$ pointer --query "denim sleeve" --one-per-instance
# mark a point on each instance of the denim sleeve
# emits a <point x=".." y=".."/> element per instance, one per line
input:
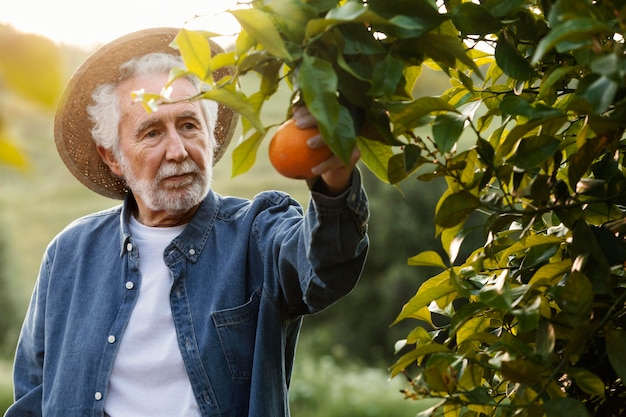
<point x="29" y="356"/>
<point x="316" y="258"/>
<point x="338" y="243"/>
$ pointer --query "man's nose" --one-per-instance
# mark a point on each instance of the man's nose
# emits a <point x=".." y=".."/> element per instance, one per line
<point x="175" y="150"/>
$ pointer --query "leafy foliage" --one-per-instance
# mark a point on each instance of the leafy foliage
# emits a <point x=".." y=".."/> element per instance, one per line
<point x="530" y="141"/>
<point x="30" y="66"/>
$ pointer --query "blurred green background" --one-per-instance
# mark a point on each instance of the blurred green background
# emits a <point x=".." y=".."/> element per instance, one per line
<point x="344" y="352"/>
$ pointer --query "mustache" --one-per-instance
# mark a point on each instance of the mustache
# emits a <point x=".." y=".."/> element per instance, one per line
<point x="171" y="169"/>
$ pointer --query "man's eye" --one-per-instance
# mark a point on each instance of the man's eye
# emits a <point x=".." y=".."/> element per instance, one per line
<point x="189" y="126"/>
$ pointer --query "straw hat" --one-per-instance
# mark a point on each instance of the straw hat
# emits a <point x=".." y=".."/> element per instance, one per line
<point x="72" y="126"/>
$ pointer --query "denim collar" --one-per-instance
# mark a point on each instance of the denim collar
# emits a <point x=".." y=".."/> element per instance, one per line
<point x="192" y="240"/>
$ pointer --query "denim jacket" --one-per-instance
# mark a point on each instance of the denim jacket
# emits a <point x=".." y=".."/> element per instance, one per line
<point x="244" y="273"/>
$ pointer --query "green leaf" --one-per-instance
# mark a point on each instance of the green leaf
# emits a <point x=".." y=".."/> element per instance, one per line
<point x="599" y="94"/>
<point x="464" y="314"/>
<point x="533" y="151"/>
<point x="471" y="327"/>
<point x="291" y="18"/>
<point x="270" y="77"/>
<point x="406" y="116"/>
<point x="554" y="76"/>
<point x="511" y="61"/>
<point x="615" y="348"/>
<point x="260" y="26"/>
<point x="446" y="50"/>
<point x="574" y="30"/>
<point x="474" y="19"/>
<point x="545" y="340"/>
<point x="500" y="8"/>
<point x="522" y="370"/>
<point x="318" y="82"/>
<point x="587" y="381"/>
<point x="396" y="168"/>
<point x="439" y="372"/>
<point x="528" y="316"/>
<point x="570" y="407"/>
<point x="528" y="242"/>
<point x="418" y="334"/>
<point x="343" y="139"/>
<point x="436" y="288"/>
<point x="375" y="156"/>
<point x="516" y="105"/>
<point x="576" y="298"/>
<point x="582" y="159"/>
<point x="387" y="74"/>
<point x="447" y="130"/>
<point x="498" y="298"/>
<point x="551" y="273"/>
<point x="456" y="208"/>
<point x="349" y="12"/>
<point x="244" y="155"/>
<point x="359" y="40"/>
<point x="416" y="355"/>
<point x="236" y="101"/>
<point x="427" y="258"/>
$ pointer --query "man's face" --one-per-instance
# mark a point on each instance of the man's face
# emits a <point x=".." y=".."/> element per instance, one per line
<point x="164" y="156"/>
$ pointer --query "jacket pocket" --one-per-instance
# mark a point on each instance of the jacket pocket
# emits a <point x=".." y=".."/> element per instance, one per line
<point x="236" y="329"/>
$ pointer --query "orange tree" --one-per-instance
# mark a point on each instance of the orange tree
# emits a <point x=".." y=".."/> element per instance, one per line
<point x="530" y="140"/>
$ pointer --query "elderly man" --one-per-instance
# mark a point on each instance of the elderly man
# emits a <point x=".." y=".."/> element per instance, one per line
<point x="180" y="301"/>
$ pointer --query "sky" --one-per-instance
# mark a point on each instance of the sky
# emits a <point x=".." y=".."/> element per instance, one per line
<point x="88" y="23"/>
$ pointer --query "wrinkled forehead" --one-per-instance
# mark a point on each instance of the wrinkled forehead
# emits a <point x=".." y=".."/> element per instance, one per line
<point x="149" y="88"/>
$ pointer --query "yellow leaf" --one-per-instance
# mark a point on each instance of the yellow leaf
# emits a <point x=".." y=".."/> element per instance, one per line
<point x="260" y="26"/>
<point x="438" y="289"/>
<point x="195" y="49"/>
<point x="10" y="154"/>
<point x="31" y="65"/>
<point x="427" y="258"/>
<point x="471" y="327"/>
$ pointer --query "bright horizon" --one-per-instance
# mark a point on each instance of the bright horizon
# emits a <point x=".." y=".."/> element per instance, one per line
<point x="90" y="24"/>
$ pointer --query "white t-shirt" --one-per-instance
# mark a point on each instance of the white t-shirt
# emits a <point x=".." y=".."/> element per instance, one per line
<point x="148" y="376"/>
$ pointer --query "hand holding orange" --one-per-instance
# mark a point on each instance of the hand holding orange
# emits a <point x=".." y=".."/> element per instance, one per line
<point x="289" y="153"/>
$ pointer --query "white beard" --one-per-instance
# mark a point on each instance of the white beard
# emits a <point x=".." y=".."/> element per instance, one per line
<point x="181" y="198"/>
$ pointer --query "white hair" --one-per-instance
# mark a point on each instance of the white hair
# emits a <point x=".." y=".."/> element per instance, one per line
<point x="105" y="112"/>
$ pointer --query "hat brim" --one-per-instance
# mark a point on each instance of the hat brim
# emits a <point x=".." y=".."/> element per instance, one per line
<point x="72" y="126"/>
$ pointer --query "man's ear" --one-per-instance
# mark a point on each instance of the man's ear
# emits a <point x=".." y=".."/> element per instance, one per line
<point x="109" y="159"/>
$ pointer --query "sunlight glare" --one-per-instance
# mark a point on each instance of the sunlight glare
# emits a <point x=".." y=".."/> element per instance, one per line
<point x="90" y="24"/>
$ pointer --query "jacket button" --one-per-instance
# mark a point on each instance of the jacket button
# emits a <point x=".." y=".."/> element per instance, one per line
<point x="130" y="285"/>
<point x="98" y="396"/>
<point x="192" y="251"/>
<point x="129" y="246"/>
<point x="111" y="339"/>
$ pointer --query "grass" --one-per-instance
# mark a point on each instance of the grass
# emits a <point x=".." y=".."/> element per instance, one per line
<point x="322" y="387"/>
<point x="6" y="389"/>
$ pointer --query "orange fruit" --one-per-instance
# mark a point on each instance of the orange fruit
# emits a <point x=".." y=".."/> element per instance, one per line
<point x="289" y="153"/>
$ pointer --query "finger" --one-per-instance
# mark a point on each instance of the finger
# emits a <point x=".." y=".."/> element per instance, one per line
<point x="303" y="118"/>
<point x="327" y="165"/>
<point x="335" y="163"/>
<point x="316" y="141"/>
